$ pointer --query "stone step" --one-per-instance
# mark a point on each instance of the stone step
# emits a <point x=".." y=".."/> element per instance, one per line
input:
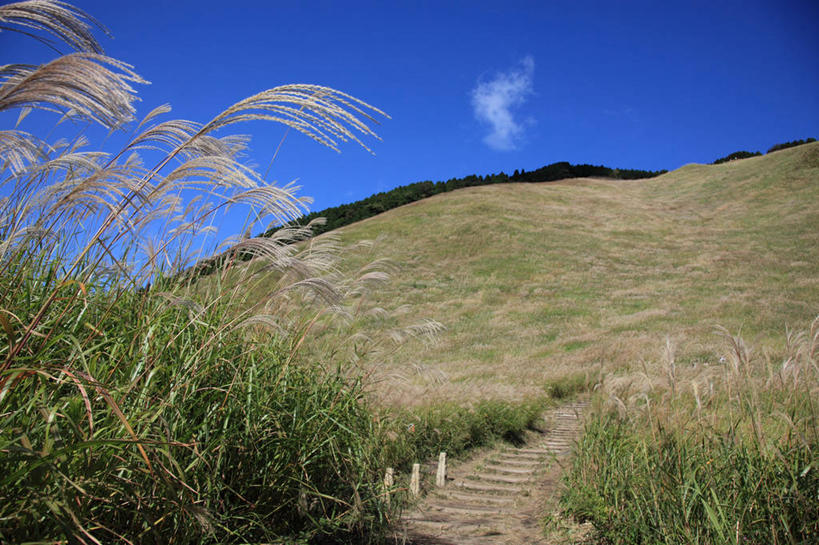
<point x="488" y="487"/>
<point x="557" y="449"/>
<point x="487" y="504"/>
<point x="480" y="498"/>
<point x="536" y="452"/>
<point x="466" y="509"/>
<point x="439" y="518"/>
<point x="500" y="478"/>
<point x="508" y="469"/>
<point x="512" y="460"/>
<point x="526" y="455"/>
<point x="461" y="531"/>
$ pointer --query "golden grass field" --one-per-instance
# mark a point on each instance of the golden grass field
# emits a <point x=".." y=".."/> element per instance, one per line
<point x="538" y="281"/>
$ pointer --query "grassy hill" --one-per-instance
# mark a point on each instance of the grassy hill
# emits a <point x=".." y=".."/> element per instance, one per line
<point x="537" y="281"/>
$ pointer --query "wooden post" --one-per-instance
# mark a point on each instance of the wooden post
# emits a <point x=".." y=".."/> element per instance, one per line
<point x="415" y="480"/>
<point x="389" y="482"/>
<point x="440" y="476"/>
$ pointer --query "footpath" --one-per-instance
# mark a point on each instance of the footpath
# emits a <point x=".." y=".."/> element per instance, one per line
<point x="499" y="496"/>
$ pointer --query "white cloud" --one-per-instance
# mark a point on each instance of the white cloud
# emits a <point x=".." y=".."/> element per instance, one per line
<point x="494" y="101"/>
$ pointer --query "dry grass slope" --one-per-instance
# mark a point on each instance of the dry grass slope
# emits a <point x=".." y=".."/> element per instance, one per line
<point x="537" y="281"/>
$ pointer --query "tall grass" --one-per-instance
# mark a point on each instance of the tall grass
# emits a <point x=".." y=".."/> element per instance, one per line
<point x="419" y="434"/>
<point x="152" y="430"/>
<point x="725" y="453"/>
<point x="137" y="406"/>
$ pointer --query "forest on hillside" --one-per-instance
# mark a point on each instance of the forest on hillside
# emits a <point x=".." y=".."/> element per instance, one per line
<point x="776" y="147"/>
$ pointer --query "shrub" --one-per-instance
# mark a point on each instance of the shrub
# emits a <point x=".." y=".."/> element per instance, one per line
<point x="570" y="385"/>
<point x="791" y="144"/>
<point x="735" y="156"/>
<point x="420" y="434"/>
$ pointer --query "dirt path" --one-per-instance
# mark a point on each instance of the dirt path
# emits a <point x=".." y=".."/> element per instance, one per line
<point x="499" y="496"/>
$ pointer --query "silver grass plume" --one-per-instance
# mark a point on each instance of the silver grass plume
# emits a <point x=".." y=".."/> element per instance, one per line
<point x="18" y="150"/>
<point x="326" y="115"/>
<point x="62" y="20"/>
<point x="80" y="85"/>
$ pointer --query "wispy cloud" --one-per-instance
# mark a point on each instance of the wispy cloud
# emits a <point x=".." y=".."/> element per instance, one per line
<point x="494" y="101"/>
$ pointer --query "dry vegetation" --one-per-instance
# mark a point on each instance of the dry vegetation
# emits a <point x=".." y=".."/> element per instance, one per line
<point x="719" y="453"/>
<point x="537" y="281"/>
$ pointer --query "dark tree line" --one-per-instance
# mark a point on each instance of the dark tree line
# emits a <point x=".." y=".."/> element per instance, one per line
<point x="735" y="156"/>
<point x="745" y="154"/>
<point x="794" y="143"/>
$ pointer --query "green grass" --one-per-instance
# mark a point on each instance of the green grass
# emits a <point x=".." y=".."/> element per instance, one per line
<point x="570" y="385"/>
<point x="162" y="427"/>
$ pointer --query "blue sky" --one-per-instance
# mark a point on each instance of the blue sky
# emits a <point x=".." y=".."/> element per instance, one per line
<point x="480" y="87"/>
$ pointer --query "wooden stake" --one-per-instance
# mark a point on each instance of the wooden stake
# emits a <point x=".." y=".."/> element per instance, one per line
<point x="415" y="480"/>
<point x="440" y="476"/>
<point x="389" y="482"/>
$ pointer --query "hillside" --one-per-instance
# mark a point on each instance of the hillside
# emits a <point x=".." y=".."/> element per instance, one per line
<point x="536" y="281"/>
